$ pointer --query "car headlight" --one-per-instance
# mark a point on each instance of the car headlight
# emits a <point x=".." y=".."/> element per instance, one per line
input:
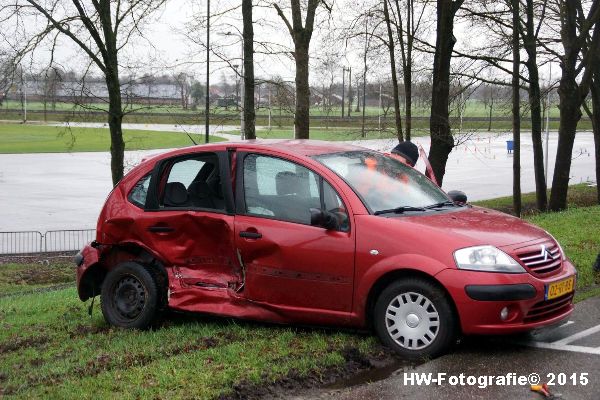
<point x="486" y="259"/>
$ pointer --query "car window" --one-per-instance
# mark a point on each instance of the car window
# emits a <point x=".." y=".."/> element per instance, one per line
<point x="185" y="171"/>
<point x="138" y="194"/>
<point x="280" y="189"/>
<point x="334" y="204"/>
<point x="193" y="183"/>
<point x="383" y="183"/>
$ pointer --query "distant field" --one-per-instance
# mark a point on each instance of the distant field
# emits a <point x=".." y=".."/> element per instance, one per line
<point x="474" y="108"/>
<point x="11" y="110"/>
<point x="19" y="138"/>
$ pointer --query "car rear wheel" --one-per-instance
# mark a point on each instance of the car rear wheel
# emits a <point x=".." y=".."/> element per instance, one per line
<point x="415" y="318"/>
<point x="130" y="296"/>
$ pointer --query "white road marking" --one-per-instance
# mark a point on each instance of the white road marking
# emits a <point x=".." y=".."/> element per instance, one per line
<point x="563" y="344"/>
<point x="577" y="336"/>
<point x="564" y="347"/>
<point x="566" y="324"/>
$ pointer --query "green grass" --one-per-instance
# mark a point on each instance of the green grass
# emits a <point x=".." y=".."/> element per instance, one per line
<point x="474" y="108"/>
<point x="580" y="195"/>
<point x="16" y="278"/>
<point x="578" y="232"/>
<point x="19" y="138"/>
<point x="51" y="348"/>
<point x="219" y="115"/>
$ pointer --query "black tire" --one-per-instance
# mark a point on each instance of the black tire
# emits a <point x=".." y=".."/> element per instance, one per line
<point x="411" y="320"/>
<point x="131" y="296"/>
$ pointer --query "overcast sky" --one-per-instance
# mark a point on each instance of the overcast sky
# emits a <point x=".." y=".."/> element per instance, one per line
<point x="172" y="43"/>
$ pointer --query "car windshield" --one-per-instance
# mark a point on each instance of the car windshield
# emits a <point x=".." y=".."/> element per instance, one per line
<point x="385" y="184"/>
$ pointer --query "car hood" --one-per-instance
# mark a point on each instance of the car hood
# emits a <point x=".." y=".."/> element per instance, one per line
<point x="475" y="226"/>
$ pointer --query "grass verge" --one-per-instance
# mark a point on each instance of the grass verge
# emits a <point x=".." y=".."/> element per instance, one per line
<point x="19" y="138"/>
<point x="580" y="195"/>
<point x="51" y="348"/>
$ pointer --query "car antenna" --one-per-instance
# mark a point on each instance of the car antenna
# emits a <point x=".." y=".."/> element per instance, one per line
<point x="193" y="141"/>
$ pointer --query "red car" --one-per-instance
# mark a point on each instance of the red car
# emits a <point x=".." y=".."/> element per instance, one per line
<point x="318" y="233"/>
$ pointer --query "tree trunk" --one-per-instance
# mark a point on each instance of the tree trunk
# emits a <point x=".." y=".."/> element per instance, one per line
<point x="535" y="104"/>
<point x="115" y="119"/>
<point x="516" y="109"/>
<point x="570" y="114"/>
<point x="392" y="52"/>
<point x="350" y="93"/>
<point x="249" y="84"/>
<point x="573" y="89"/>
<point x="301" y="121"/>
<point x="408" y="101"/>
<point x="491" y="111"/>
<point x="442" y="141"/>
<point x="595" y="118"/>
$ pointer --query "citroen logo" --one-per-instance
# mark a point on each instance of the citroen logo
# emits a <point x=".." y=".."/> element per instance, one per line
<point x="545" y="253"/>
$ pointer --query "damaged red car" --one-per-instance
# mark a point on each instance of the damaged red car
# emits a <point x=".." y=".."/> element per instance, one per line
<point x="320" y="233"/>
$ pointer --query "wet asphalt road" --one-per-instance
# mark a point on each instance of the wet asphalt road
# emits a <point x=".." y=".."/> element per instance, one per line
<point x="42" y="192"/>
<point x="483" y="356"/>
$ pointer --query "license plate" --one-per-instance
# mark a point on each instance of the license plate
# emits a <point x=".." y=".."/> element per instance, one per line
<point x="560" y="288"/>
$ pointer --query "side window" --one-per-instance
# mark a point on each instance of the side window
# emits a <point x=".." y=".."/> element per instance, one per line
<point x="280" y="189"/>
<point x="334" y="205"/>
<point x="138" y="194"/>
<point x="193" y="183"/>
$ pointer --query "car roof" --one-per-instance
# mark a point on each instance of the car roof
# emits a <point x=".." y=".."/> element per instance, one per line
<point x="297" y="147"/>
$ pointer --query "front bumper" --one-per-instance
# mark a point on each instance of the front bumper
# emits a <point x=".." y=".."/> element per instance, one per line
<point x="479" y="310"/>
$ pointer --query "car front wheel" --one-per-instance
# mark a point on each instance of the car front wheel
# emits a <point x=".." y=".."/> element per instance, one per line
<point x="414" y="317"/>
<point x="130" y="296"/>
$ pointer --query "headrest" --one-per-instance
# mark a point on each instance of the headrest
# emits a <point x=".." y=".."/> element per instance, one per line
<point x="287" y="182"/>
<point x="175" y="194"/>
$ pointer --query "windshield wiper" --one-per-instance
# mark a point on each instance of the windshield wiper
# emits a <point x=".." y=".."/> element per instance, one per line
<point x="446" y="203"/>
<point x="399" y="210"/>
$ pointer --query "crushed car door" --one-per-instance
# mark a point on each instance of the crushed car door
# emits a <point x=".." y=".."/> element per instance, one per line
<point x="287" y="261"/>
<point x="189" y="220"/>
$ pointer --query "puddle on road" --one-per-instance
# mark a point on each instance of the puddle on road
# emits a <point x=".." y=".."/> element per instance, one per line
<point x="374" y="375"/>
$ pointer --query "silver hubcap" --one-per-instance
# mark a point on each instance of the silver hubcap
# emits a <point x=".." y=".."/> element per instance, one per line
<point x="412" y="321"/>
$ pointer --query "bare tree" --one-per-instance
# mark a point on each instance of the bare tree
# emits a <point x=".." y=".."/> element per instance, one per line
<point x="184" y="85"/>
<point x="497" y="19"/>
<point x="301" y="34"/>
<point x="52" y="81"/>
<point x="442" y="141"/>
<point x="594" y="115"/>
<point x="516" y="107"/>
<point x="392" y="52"/>
<point x="249" y="84"/>
<point x="408" y="23"/>
<point x="101" y="29"/>
<point x="580" y="32"/>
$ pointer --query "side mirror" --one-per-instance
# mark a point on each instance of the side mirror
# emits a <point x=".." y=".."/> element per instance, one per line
<point x="323" y="219"/>
<point x="457" y="196"/>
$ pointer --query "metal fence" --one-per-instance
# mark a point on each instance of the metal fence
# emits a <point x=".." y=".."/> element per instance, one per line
<point x="28" y="242"/>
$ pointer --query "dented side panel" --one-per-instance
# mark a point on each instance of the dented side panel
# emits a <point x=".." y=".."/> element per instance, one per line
<point x="199" y="249"/>
<point x="297" y="265"/>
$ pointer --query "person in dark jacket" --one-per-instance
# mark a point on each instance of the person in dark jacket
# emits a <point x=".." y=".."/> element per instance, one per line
<point x="408" y="152"/>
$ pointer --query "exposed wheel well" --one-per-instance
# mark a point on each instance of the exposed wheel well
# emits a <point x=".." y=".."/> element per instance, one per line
<point x="393" y="276"/>
<point x="91" y="283"/>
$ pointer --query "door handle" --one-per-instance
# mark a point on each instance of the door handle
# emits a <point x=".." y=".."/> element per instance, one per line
<point x="250" y="235"/>
<point x="161" y="229"/>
